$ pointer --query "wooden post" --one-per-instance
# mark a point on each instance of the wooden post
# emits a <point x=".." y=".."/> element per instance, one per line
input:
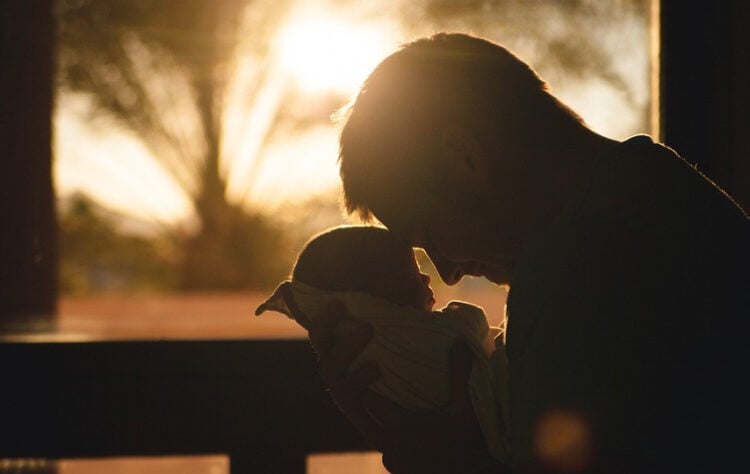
<point x="28" y="256"/>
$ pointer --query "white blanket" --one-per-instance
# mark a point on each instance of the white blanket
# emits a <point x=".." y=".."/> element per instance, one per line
<point x="411" y="348"/>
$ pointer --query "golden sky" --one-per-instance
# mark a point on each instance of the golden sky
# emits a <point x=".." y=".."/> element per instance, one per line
<point x="321" y="47"/>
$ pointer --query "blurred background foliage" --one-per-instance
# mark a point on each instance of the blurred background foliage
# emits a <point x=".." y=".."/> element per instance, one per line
<point x="160" y="70"/>
<point x="98" y="253"/>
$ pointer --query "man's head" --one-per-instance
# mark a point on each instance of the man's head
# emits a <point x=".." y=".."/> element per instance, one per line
<point x="367" y="259"/>
<point x="448" y="122"/>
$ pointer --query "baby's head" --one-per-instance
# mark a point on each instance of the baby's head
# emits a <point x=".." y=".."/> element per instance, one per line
<point x="366" y="259"/>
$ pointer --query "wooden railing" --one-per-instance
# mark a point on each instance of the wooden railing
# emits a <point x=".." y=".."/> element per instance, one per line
<point x="260" y="402"/>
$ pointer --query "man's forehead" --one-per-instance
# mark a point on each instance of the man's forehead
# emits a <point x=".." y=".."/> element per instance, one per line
<point x="410" y="231"/>
<point x="404" y="214"/>
<point x="399" y="219"/>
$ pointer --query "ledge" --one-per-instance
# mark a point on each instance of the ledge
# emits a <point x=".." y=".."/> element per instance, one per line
<point x="260" y="401"/>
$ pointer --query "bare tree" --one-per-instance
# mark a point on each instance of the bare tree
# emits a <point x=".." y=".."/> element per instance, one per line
<point x="161" y="69"/>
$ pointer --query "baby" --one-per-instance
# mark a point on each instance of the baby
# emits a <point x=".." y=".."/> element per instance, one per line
<point x="378" y="279"/>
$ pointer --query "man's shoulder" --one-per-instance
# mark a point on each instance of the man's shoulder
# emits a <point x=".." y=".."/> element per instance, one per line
<point x="642" y="186"/>
<point x="658" y="168"/>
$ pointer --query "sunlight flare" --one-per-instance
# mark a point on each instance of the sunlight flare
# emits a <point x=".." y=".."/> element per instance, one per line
<point x="325" y="53"/>
<point x="317" y="53"/>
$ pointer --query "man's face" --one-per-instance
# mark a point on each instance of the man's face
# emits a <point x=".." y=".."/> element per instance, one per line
<point x="459" y="232"/>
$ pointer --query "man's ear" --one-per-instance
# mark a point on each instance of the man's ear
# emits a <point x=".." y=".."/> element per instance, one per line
<point x="463" y="156"/>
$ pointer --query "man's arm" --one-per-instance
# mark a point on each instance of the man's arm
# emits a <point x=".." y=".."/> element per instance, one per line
<point x="449" y="441"/>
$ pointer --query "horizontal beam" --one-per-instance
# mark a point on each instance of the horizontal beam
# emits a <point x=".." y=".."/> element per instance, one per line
<point x="261" y="402"/>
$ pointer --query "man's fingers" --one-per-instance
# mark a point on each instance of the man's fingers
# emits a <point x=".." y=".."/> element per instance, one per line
<point x="341" y="355"/>
<point x="333" y="312"/>
<point x="321" y="330"/>
<point x="321" y="339"/>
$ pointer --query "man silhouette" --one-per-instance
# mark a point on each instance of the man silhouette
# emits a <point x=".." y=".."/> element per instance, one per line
<point x="627" y="270"/>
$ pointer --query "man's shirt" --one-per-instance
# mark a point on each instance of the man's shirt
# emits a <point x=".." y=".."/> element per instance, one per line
<point x="629" y="315"/>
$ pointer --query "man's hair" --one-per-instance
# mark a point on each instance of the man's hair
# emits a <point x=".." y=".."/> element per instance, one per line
<point x="394" y="124"/>
<point x="351" y="258"/>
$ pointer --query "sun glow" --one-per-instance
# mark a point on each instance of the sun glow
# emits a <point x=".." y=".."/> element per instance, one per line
<point x="327" y="53"/>
<point x="317" y="52"/>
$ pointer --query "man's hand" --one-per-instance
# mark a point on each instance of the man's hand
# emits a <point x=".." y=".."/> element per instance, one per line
<point x="335" y="356"/>
<point x="449" y="441"/>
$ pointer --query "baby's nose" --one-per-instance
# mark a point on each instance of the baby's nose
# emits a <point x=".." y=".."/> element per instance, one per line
<point x="425" y="278"/>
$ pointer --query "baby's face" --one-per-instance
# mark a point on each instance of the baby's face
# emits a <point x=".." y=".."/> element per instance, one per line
<point x="408" y="286"/>
<point x="424" y="296"/>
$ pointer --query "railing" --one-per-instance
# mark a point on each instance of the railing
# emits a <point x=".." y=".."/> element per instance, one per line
<point x="260" y="402"/>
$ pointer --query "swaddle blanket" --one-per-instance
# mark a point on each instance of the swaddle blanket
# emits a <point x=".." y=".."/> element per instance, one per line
<point x="411" y="348"/>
